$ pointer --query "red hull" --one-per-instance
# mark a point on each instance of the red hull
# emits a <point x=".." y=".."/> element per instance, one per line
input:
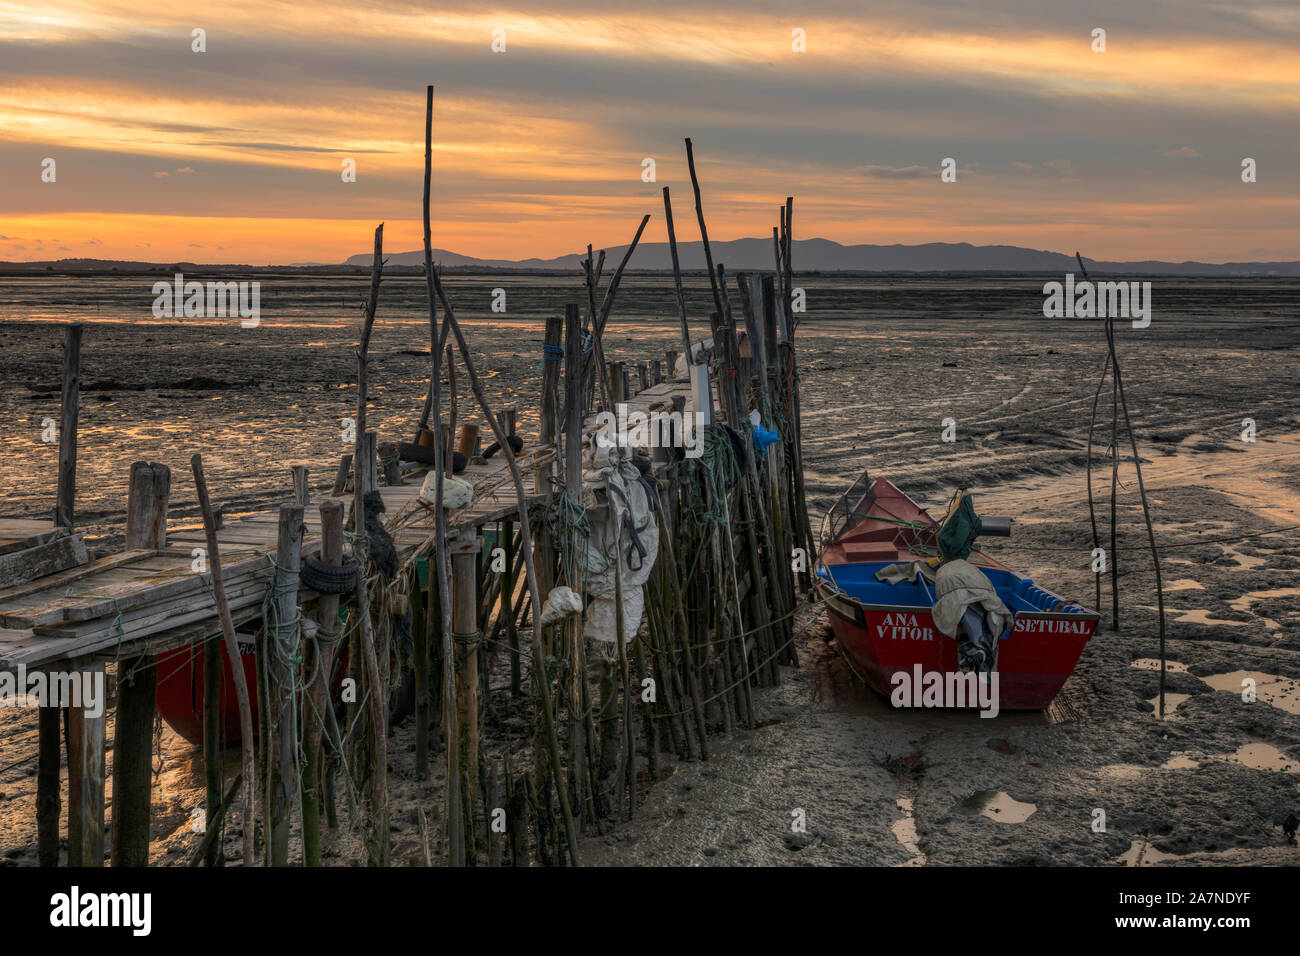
<point x="883" y="639"/>
<point x="1032" y="666"/>
<point x="180" y="691"/>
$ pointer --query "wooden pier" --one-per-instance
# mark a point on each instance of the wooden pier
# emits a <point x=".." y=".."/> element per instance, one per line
<point x="697" y="558"/>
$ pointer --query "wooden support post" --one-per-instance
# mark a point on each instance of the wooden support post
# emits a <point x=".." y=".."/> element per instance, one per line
<point x="617" y="385"/>
<point x="137" y="682"/>
<point x="671" y="356"/>
<point x="464" y="586"/>
<point x="656" y="371"/>
<point x="146" y="528"/>
<point x="468" y="436"/>
<point x="643" y="376"/>
<point x="71" y="405"/>
<point x="283" y="643"/>
<point x="146" y="506"/>
<point x="300" y="492"/>
<point x="511" y="414"/>
<point x="372" y="460"/>
<point x="319" y="660"/>
<point x="345" y="467"/>
<point x="86" y="776"/>
<point x="48" y="796"/>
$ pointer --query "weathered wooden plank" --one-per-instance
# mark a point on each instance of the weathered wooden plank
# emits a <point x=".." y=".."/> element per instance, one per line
<point x="149" y="616"/>
<point x="63" y="578"/>
<point x="20" y="567"/>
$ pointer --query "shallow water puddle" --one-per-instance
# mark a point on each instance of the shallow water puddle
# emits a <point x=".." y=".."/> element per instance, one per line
<point x="1180" y="761"/>
<point x="998" y="805"/>
<point x="1282" y="692"/>
<point x="1244" y="603"/>
<point x="1195" y="616"/>
<point x="1264" y="757"/>
<point x="905" y="830"/>
<point x="1184" y="584"/>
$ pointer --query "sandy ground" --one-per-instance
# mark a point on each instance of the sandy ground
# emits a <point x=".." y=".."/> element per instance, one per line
<point x="1214" y="782"/>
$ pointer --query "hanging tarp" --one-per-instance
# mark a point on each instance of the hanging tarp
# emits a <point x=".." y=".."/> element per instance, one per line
<point x="625" y="532"/>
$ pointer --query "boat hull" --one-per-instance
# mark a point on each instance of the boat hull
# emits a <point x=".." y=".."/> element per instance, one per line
<point x="1035" y="659"/>
<point x="886" y="631"/>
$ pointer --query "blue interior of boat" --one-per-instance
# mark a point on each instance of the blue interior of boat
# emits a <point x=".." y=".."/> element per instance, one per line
<point x="858" y="580"/>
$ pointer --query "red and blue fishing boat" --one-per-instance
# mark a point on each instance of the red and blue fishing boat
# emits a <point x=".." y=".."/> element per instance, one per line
<point x="885" y="629"/>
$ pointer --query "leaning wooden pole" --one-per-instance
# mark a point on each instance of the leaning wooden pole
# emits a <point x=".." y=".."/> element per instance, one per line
<point x="526" y="544"/>
<point x="704" y="233"/>
<point x="232" y="654"/>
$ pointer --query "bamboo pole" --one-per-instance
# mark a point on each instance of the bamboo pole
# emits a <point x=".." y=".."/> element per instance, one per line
<point x="232" y="654"/>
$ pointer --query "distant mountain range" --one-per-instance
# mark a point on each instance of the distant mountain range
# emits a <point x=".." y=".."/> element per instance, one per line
<point x="824" y="255"/>
<point x="810" y="255"/>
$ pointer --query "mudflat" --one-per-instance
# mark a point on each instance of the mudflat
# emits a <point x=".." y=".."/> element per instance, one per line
<point x="882" y="364"/>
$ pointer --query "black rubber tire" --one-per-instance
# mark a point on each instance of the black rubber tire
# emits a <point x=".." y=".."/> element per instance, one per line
<point x="329" y="579"/>
<point x="419" y="453"/>
<point x="516" y="446"/>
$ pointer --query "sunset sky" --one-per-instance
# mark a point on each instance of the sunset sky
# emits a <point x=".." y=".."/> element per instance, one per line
<point x="234" y="154"/>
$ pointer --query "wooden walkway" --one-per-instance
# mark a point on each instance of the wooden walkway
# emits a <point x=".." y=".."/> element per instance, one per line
<point x="138" y="602"/>
<point x="150" y="601"/>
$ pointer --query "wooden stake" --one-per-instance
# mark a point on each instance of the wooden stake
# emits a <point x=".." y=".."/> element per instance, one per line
<point x="71" y="405"/>
<point x="284" y="642"/>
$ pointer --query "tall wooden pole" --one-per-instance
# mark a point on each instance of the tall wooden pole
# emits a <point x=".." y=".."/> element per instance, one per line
<point x="442" y="560"/>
